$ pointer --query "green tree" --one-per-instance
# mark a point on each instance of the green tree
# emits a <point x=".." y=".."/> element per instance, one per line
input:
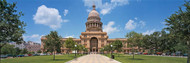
<point x="39" y="51"/>
<point x="178" y="25"/>
<point x="155" y="43"/>
<point x="8" y="49"/>
<point x="52" y="43"/>
<point x="17" y="51"/>
<point x="24" y="51"/>
<point x="69" y="43"/>
<point x="117" y="45"/>
<point x="134" y="40"/>
<point x="11" y="28"/>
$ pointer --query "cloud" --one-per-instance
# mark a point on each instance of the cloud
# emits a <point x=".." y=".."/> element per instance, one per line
<point x="70" y="36"/>
<point x="65" y="12"/>
<point x="135" y="18"/>
<point x="48" y="16"/>
<point x="35" y="38"/>
<point x="106" y="7"/>
<point x="142" y="23"/>
<point x="148" y="32"/>
<point x="130" y="25"/>
<point x="65" y="20"/>
<point x="109" y="27"/>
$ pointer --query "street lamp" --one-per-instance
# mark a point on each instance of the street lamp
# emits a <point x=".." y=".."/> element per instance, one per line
<point x="103" y="50"/>
<point x="75" y="50"/>
<point x="83" y="50"/>
<point x="111" y="50"/>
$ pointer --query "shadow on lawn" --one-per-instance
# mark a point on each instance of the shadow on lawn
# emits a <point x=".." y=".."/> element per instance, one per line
<point x="61" y="59"/>
<point x="135" y="59"/>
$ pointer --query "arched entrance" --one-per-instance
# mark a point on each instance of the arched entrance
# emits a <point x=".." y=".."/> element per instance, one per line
<point x="93" y="44"/>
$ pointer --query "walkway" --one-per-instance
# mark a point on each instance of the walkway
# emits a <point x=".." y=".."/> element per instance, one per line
<point x="93" y="58"/>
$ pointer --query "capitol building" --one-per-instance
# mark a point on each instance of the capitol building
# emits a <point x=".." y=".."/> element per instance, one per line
<point x="94" y="38"/>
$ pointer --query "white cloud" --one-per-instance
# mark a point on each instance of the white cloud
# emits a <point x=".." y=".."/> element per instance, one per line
<point x="48" y="16"/>
<point x="109" y="28"/>
<point x="65" y="20"/>
<point x="35" y="38"/>
<point x="142" y="23"/>
<point x="130" y="25"/>
<point x="135" y="18"/>
<point x="106" y="7"/>
<point x="88" y="10"/>
<point x="70" y="36"/>
<point x="65" y="12"/>
<point x="148" y="32"/>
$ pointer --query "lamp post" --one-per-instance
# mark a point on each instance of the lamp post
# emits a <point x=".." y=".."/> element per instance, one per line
<point x="103" y="50"/>
<point x="111" y="50"/>
<point x="75" y="50"/>
<point x="83" y="50"/>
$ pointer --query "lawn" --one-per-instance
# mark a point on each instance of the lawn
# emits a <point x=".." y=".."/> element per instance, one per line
<point x="40" y="59"/>
<point x="147" y="59"/>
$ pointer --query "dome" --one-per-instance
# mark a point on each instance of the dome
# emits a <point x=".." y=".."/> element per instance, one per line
<point x="93" y="13"/>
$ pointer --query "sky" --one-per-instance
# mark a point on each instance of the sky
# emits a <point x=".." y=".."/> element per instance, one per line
<point x="68" y="17"/>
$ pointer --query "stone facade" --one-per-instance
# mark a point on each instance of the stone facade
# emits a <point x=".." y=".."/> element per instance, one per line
<point x="94" y="38"/>
<point x="32" y="46"/>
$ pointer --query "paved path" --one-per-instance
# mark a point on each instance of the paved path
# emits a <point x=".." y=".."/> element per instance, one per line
<point x="93" y="58"/>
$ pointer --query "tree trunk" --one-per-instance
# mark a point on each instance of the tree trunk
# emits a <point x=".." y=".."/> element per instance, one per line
<point x="188" y="58"/>
<point x="54" y="55"/>
<point x="133" y="53"/>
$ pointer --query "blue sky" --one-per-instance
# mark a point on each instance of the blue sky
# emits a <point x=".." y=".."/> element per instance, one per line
<point x="119" y="17"/>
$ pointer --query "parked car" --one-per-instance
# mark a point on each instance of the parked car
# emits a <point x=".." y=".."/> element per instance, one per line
<point x="35" y="54"/>
<point x="25" y="55"/>
<point x="29" y="54"/>
<point x="20" y="55"/>
<point x="145" y="53"/>
<point x="9" y="55"/>
<point x="3" y="56"/>
<point x="159" y="53"/>
<point x="42" y="54"/>
<point x="126" y="53"/>
<point x="173" y="54"/>
<point x="185" y="54"/>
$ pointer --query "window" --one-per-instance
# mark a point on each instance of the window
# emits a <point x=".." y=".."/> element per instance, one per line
<point x="102" y="35"/>
<point x="102" y="45"/>
<point x="102" y="41"/>
<point x="85" y="40"/>
<point x="85" y="35"/>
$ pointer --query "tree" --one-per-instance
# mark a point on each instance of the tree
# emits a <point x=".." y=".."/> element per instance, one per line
<point x="17" y="51"/>
<point x="79" y="48"/>
<point x="52" y="43"/>
<point x="178" y="25"/>
<point x="107" y="48"/>
<point x="69" y="43"/>
<point x="155" y="41"/>
<point x="7" y="49"/>
<point x="134" y="40"/>
<point x="24" y="51"/>
<point x="11" y="28"/>
<point x="117" y="45"/>
<point x="39" y="51"/>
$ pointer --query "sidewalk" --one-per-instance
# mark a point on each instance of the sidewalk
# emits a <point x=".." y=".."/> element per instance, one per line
<point x="93" y="58"/>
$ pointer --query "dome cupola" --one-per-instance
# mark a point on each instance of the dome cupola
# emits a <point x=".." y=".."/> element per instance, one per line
<point x="93" y="23"/>
<point x="93" y="15"/>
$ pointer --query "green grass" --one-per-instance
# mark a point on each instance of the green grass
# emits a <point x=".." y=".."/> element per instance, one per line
<point x="148" y="59"/>
<point x="40" y="59"/>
